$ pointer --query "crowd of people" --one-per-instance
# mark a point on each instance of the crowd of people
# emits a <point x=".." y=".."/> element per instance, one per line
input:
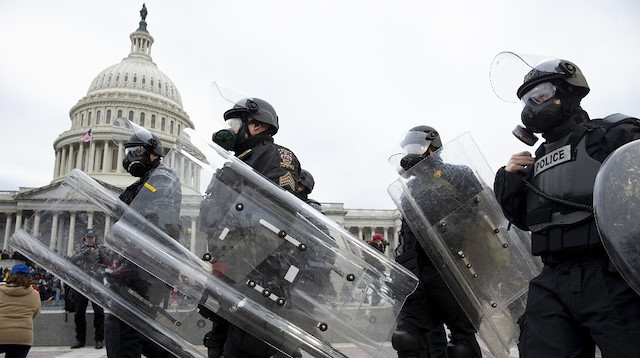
<point x="48" y="286"/>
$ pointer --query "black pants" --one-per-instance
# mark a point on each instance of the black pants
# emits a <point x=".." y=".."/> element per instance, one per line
<point x="574" y="306"/>
<point x="217" y="337"/>
<point x="431" y="305"/>
<point x="81" y="322"/>
<point x="236" y="343"/>
<point x="241" y="344"/>
<point x="123" y="341"/>
<point x="14" y="350"/>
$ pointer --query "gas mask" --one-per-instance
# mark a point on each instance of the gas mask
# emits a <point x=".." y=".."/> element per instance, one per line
<point x="409" y="160"/>
<point x="233" y="132"/>
<point x="137" y="161"/>
<point x="542" y="109"/>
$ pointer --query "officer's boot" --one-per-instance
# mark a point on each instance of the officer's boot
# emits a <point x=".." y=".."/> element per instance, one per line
<point x="462" y="350"/>
<point x="408" y="345"/>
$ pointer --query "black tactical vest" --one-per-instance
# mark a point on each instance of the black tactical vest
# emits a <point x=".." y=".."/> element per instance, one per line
<point x="565" y="171"/>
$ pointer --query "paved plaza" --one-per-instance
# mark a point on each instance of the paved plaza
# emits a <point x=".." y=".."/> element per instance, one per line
<point x="89" y="352"/>
<point x="54" y="334"/>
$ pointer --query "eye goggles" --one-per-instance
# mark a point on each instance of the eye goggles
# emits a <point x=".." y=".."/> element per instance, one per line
<point x="539" y="94"/>
<point x="135" y="151"/>
<point x="235" y="123"/>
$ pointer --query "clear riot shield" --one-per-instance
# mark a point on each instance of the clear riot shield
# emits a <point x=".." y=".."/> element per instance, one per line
<point x="448" y="204"/>
<point x="616" y="204"/>
<point x="278" y="268"/>
<point x="53" y="238"/>
<point x="282" y="271"/>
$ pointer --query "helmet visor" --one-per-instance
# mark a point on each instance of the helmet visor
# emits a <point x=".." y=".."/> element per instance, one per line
<point x="223" y="98"/>
<point x="539" y="94"/>
<point x="122" y="130"/>
<point x="415" y="143"/>
<point x="508" y="70"/>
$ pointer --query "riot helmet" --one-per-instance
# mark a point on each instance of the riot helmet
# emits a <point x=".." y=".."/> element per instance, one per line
<point x="552" y="71"/>
<point x="306" y="180"/>
<point x="418" y="140"/>
<point x="551" y="91"/>
<point x="141" y="144"/>
<point x="564" y="89"/>
<point x="147" y="140"/>
<point x="415" y="146"/>
<point x="258" y="108"/>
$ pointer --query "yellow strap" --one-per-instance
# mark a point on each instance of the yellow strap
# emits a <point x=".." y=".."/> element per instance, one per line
<point x="150" y="187"/>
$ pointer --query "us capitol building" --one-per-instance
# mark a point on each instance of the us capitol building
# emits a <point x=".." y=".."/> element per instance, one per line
<point x="136" y="89"/>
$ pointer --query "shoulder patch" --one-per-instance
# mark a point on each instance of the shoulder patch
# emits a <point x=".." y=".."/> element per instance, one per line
<point x="287" y="181"/>
<point x="286" y="159"/>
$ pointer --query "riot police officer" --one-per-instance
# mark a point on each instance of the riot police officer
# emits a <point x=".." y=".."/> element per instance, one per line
<point x="578" y="301"/>
<point x="305" y="187"/>
<point x="250" y="127"/>
<point x="91" y="257"/>
<point x="157" y="191"/>
<point x="420" y="331"/>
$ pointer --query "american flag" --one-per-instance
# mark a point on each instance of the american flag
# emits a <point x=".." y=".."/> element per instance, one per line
<point x="87" y="137"/>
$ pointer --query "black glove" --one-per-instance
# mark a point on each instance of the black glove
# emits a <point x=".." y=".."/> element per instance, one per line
<point x="205" y="312"/>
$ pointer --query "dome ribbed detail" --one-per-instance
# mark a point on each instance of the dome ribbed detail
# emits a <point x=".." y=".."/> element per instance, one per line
<point x="137" y="72"/>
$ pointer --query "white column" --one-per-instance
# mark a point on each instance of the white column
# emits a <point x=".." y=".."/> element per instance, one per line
<point x="106" y="162"/>
<point x="90" y="220"/>
<point x="56" y="168"/>
<point x="80" y="154"/>
<point x="192" y="247"/>
<point x="196" y="182"/>
<point x="386" y="236"/>
<point x="360" y="232"/>
<point x="71" y="166"/>
<point x="107" y="226"/>
<point x="92" y="151"/>
<point x="119" y="168"/>
<point x="18" y="221"/>
<point x="72" y="232"/>
<point x="7" y="231"/>
<point x="187" y="170"/>
<point x="54" y="232"/>
<point x="36" y="225"/>
<point x="63" y="162"/>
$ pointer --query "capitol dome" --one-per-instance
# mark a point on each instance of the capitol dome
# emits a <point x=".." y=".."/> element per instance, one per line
<point x="134" y="89"/>
<point x="137" y="72"/>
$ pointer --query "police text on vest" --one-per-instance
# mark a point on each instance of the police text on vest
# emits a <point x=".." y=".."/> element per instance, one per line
<point x="549" y="160"/>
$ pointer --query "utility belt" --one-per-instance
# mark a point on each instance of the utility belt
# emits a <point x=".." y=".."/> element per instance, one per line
<point x="565" y="241"/>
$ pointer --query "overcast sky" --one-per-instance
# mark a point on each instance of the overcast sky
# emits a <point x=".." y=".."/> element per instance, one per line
<point x="347" y="77"/>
